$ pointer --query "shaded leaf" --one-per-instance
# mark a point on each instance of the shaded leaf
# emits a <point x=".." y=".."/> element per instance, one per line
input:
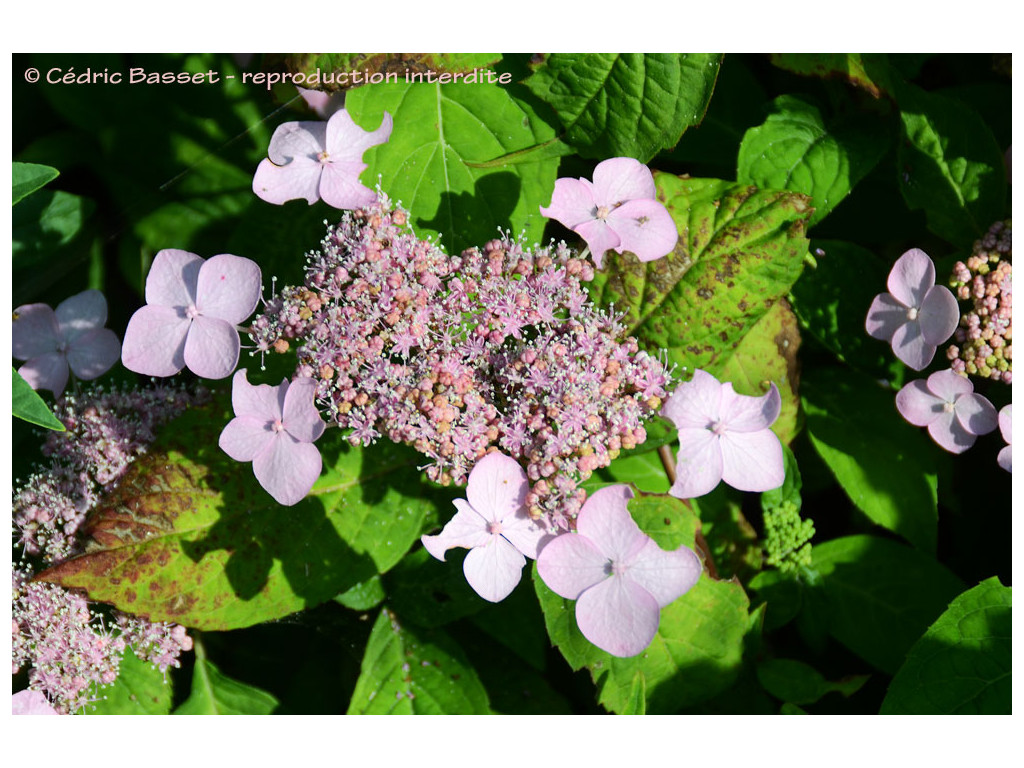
<point x="867" y="71"/>
<point x="213" y="693"/>
<point x="26" y="178"/>
<point x="798" y="683"/>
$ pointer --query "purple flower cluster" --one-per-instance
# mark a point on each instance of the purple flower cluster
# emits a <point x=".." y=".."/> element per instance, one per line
<point x="498" y="348"/>
<point x="984" y="339"/>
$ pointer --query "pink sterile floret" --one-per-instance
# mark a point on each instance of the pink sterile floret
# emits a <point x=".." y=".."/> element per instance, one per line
<point x="192" y="310"/>
<point x="617" y="211"/>
<point x="619" y="578"/>
<point x="1005" y="457"/>
<point x="492" y="523"/>
<point x="72" y="337"/>
<point x="275" y="428"/>
<point x="312" y="160"/>
<point x="724" y="436"/>
<point x="947" y="405"/>
<point x="30" y="702"/>
<point x="916" y="315"/>
<point x="323" y="103"/>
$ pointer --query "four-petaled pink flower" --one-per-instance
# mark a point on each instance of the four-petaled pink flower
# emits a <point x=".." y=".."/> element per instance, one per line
<point x="947" y="405"/>
<point x="619" y="578"/>
<point x="30" y="702"/>
<point x="916" y="316"/>
<point x="275" y="428"/>
<point x="724" y="436"/>
<point x="73" y="336"/>
<point x="493" y="524"/>
<point x="312" y="160"/>
<point x="618" y="211"/>
<point x="192" y="309"/>
<point x="1005" y="457"/>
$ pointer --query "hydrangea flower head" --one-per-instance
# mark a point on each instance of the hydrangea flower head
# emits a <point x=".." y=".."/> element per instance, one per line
<point x="72" y="337"/>
<point x="724" y="436"/>
<point x="916" y="315"/>
<point x="947" y="405"/>
<point x="492" y="523"/>
<point x="619" y="578"/>
<point x="275" y="428"/>
<point x="192" y="308"/>
<point x="312" y="160"/>
<point x="618" y="211"/>
<point x="1005" y="457"/>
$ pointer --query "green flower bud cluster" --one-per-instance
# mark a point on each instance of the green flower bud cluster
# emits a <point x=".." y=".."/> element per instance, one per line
<point x="787" y="537"/>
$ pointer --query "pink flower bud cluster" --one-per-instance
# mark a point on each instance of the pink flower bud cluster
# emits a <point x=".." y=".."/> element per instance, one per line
<point x="984" y="339"/>
<point x="498" y="348"/>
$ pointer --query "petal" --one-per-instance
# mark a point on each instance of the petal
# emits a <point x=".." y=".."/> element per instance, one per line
<point x="245" y="437"/>
<point x="599" y="238"/>
<point x="94" y="353"/>
<point x="494" y="569"/>
<point x="287" y="468"/>
<point x="315" y="100"/>
<point x="300" y="417"/>
<point x="29" y="702"/>
<point x="299" y="180"/>
<point x="911" y="277"/>
<point x="909" y="345"/>
<point x="228" y="288"/>
<point x="666" y="575"/>
<point x="571" y="563"/>
<point x="606" y="522"/>
<point x="211" y="348"/>
<point x="918" y="405"/>
<point x="885" y="316"/>
<point x="298" y="139"/>
<point x="645" y="228"/>
<point x="695" y="403"/>
<point x="347" y="141"/>
<point x="698" y="463"/>
<point x="497" y="487"/>
<point x="1005" y="458"/>
<point x="949" y="433"/>
<point x="81" y="313"/>
<point x="526" y="535"/>
<point x="620" y="179"/>
<point x="35" y="331"/>
<point x="467" y="530"/>
<point x="572" y="203"/>
<point x="154" y="341"/>
<point x="172" y="278"/>
<point x="618" y="616"/>
<point x="976" y="414"/>
<point x="260" y="401"/>
<point x="340" y="187"/>
<point x="939" y="315"/>
<point x="949" y="386"/>
<point x="746" y="413"/>
<point x="752" y="461"/>
<point x="48" y="371"/>
<point x="1006" y="423"/>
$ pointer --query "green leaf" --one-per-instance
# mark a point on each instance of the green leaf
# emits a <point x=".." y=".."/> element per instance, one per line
<point x="213" y="693"/>
<point x="962" y="663"/>
<point x="794" y="149"/>
<point x="636" y="704"/>
<point x="950" y="165"/>
<point x="429" y="593"/>
<point x="629" y="104"/>
<point x="868" y="71"/>
<point x="783" y="595"/>
<point x="881" y="462"/>
<point x="797" y="683"/>
<point x="429" y="164"/>
<point x="739" y="252"/>
<point x="408" y="671"/>
<point x="45" y="223"/>
<point x="189" y="535"/>
<point x="644" y="471"/>
<point x="30" y="407"/>
<point x="363" y="596"/>
<point x="731" y="538"/>
<point x="26" y="178"/>
<point x="339" y="71"/>
<point x="878" y="596"/>
<point x="140" y="689"/>
<point x="698" y="648"/>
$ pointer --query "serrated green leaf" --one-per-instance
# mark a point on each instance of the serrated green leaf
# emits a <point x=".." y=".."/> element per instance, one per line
<point x="340" y="71"/>
<point x="962" y="664"/>
<point x="29" y="406"/>
<point x="628" y="104"/>
<point x="739" y="252"/>
<point x="213" y="693"/>
<point x="794" y="149"/>
<point x="868" y="71"/>
<point x="880" y="461"/>
<point x="879" y="596"/>
<point x="26" y="178"/>
<point x="409" y="671"/>
<point x="794" y="682"/>
<point x="140" y="689"/>
<point x="430" y="164"/>
<point x="189" y="535"/>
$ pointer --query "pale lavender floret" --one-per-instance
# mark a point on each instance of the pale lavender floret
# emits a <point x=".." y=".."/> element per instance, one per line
<point x="618" y="211"/>
<point x="916" y="315"/>
<point x="192" y="309"/>
<point x="946" y="404"/>
<point x="72" y="337"/>
<point x="1005" y="457"/>
<point x="619" y="578"/>
<point x="323" y="103"/>
<point x="29" y="702"/>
